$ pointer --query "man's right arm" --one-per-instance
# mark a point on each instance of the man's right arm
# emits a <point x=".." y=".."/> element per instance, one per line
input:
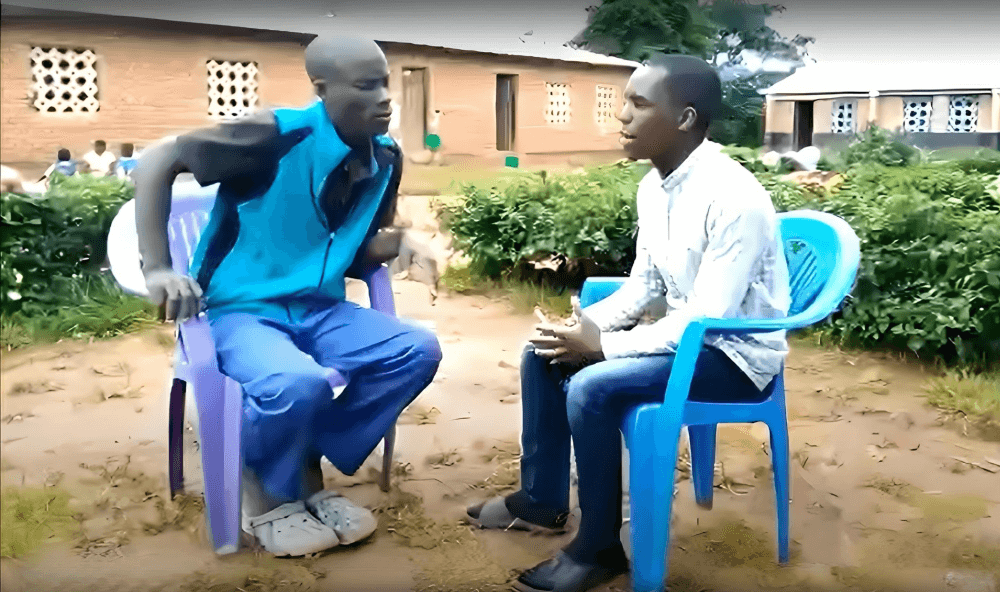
<point x="245" y="149"/>
<point x="154" y="177"/>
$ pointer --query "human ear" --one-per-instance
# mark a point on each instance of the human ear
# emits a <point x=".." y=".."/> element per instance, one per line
<point x="320" y="86"/>
<point x="688" y="118"/>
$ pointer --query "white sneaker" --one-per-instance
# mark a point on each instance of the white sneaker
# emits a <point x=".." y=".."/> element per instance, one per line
<point x="290" y="530"/>
<point x="352" y="523"/>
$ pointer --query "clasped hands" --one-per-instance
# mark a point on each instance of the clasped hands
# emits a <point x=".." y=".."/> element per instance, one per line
<point x="577" y="343"/>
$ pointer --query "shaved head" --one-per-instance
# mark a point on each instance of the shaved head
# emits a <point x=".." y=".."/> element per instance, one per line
<point x="689" y="82"/>
<point x="351" y="76"/>
<point x="328" y="56"/>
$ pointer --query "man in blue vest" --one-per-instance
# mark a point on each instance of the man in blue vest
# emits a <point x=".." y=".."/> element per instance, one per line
<point x="305" y="197"/>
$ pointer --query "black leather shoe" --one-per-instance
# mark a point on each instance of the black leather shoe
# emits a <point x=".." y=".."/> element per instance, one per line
<point x="563" y="574"/>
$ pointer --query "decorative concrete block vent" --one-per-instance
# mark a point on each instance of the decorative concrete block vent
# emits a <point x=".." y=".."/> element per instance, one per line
<point x="64" y="80"/>
<point x="842" y="121"/>
<point x="608" y="99"/>
<point x="232" y="89"/>
<point x="557" y="110"/>
<point x="963" y="114"/>
<point x="917" y="114"/>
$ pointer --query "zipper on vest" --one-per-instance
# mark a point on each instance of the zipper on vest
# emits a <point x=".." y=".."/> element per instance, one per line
<point x="326" y="257"/>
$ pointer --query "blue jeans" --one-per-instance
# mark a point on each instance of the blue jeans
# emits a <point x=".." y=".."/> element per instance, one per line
<point x="290" y="416"/>
<point x="561" y="403"/>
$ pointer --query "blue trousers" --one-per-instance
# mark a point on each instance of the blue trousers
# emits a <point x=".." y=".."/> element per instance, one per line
<point x="290" y="416"/>
<point x="587" y="406"/>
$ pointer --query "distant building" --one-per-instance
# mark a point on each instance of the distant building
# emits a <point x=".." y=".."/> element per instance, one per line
<point x="935" y="105"/>
<point x="69" y="78"/>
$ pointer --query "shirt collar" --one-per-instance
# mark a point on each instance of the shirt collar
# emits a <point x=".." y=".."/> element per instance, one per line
<point x="681" y="173"/>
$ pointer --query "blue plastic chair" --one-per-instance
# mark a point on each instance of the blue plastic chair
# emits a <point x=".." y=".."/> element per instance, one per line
<point x="823" y="254"/>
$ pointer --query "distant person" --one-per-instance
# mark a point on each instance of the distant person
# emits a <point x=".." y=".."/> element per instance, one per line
<point x="64" y="165"/>
<point x="126" y="164"/>
<point x="99" y="160"/>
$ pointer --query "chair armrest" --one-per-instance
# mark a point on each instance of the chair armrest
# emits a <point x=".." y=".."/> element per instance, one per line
<point x="380" y="289"/>
<point x="596" y="289"/>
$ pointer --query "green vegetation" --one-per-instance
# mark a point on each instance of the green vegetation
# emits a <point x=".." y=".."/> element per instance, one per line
<point x="51" y="253"/>
<point x="32" y="516"/>
<point x="929" y="281"/>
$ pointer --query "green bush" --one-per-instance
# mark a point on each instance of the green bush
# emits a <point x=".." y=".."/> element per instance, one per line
<point x="580" y="216"/>
<point x="930" y="268"/>
<point x="51" y="240"/>
<point x="51" y="252"/>
<point x="878" y="146"/>
<point x="930" y="238"/>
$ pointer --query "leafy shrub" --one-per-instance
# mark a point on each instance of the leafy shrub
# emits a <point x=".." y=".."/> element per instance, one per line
<point x="930" y="267"/>
<point x="580" y="216"/>
<point x="877" y="146"/>
<point x="51" y="240"/>
<point x="51" y="252"/>
<point x="930" y="237"/>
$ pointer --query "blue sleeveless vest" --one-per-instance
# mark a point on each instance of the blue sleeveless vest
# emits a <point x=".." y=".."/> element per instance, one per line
<point x="284" y="250"/>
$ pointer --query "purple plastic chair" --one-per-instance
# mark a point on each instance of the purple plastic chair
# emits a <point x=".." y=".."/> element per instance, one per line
<point x="219" y="399"/>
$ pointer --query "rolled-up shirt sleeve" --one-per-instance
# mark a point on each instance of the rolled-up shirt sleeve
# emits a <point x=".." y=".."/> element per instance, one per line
<point x="731" y="261"/>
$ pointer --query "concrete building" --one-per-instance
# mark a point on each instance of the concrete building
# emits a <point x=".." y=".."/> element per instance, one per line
<point x="69" y="78"/>
<point x="934" y="105"/>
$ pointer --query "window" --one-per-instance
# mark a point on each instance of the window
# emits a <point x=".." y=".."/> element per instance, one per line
<point x="232" y="89"/>
<point x="917" y="114"/>
<point x="963" y="114"/>
<point x="64" y="80"/>
<point x="842" y="121"/>
<point x="608" y="100"/>
<point x="558" y="109"/>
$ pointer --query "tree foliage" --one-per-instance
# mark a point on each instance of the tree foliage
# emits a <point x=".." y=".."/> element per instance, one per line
<point x="723" y="32"/>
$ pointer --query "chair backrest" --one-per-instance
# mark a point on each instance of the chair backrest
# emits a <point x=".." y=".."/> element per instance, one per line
<point x="189" y="212"/>
<point x="823" y="254"/>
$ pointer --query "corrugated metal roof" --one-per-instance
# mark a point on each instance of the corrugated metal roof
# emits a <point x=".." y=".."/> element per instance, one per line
<point x="311" y="17"/>
<point x="836" y="77"/>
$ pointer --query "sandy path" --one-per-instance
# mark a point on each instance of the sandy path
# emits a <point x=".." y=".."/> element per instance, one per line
<point x="855" y="419"/>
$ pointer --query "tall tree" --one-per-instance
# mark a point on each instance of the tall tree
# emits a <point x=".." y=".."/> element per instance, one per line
<point x="726" y="33"/>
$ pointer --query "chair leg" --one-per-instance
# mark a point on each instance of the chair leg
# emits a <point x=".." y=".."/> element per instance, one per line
<point x="175" y="437"/>
<point x="390" y="444"/>
<point x="703" y="462"/>
<point x="220" y="401"/>
<point x="780" y="462"/>
<point x="651" y="494"/>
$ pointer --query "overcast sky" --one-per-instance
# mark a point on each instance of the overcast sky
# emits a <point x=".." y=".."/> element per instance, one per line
<point x="845" y="30"/>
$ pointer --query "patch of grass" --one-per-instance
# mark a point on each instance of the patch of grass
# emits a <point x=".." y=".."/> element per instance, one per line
<point x="285" y="578"/>
<point x="523" y="296"/>
<point x="101" y="311"/>
<point x="976" y="396"/>
<point x="456" y="562"/>
<point x="438" y="180"/>
<point x="32" y="516"/>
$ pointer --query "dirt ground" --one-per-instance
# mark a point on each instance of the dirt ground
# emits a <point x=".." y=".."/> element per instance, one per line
<point x="886" y="495"/>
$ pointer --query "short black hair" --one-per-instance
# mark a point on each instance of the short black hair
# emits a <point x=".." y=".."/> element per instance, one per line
<point x="63" y="154"/>
<point x="127" y="149"/>
<point x="692" y="82"/>
<point x="100" y="143"/>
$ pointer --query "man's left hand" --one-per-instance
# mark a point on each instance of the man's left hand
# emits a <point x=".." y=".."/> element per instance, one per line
<point x="581" y="342"/>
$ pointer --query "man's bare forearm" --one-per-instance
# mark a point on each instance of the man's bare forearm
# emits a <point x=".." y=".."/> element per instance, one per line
<point x="154" y="177"/>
